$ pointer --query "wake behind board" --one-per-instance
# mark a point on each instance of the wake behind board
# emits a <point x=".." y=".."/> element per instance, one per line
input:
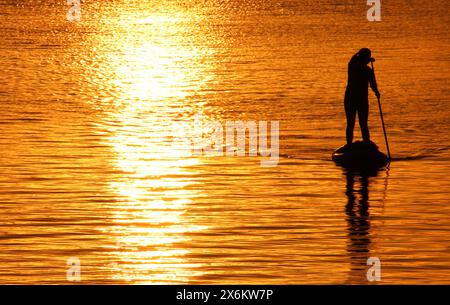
<point x="360" y="155"/>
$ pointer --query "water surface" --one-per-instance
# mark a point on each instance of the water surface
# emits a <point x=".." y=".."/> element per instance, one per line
<point x="88" y="169"/>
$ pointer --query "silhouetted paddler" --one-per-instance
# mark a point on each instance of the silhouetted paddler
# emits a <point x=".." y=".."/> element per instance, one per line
<point x="356" y="95"/>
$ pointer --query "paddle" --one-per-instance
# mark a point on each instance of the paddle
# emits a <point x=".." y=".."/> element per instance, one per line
<point x="382" y="120"/>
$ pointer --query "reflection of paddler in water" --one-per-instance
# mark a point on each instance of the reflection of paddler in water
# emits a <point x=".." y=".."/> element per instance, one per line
<point x="357" y="210"/>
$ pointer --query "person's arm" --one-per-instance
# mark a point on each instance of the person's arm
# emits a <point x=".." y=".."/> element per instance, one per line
<point x="373" y="83"/>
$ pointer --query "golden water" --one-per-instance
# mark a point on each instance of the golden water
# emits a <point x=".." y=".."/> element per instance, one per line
<point x="88" y="170"/>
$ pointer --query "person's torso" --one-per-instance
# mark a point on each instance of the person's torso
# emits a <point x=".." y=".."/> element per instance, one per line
<point x="358" y="79"/>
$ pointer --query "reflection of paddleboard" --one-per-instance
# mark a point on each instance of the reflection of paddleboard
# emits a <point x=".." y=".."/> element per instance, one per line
<point x="360" y="155"/>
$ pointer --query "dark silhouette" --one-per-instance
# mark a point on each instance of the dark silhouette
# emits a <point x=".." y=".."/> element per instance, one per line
<point x="356" y="95"/>
<point x="357" y="210"/>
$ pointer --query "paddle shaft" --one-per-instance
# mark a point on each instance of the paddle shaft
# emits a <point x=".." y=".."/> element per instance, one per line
<point x="382" y="120"/>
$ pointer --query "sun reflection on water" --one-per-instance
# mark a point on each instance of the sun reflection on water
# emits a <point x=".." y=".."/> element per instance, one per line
<point x="153" y="78"/>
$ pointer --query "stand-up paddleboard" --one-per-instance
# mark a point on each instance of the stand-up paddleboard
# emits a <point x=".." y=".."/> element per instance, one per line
<point x="360" y="155"/>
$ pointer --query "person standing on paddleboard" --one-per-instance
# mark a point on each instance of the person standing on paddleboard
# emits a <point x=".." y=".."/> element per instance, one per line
<point x="360" y="75"/>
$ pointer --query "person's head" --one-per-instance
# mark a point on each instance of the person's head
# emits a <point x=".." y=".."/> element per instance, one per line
<point x="365" y="55"/>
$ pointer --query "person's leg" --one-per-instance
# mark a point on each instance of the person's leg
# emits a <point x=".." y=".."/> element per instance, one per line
<point x="363" y="117"/>
<point x="350" y="113"/>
